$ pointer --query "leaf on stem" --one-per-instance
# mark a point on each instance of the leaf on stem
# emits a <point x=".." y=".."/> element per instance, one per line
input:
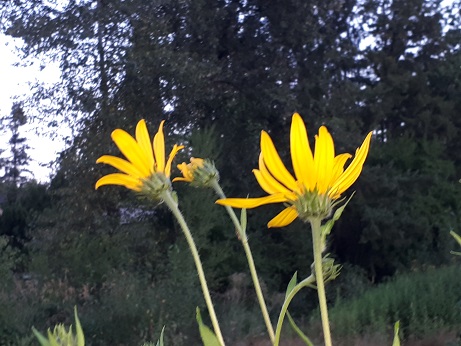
<point x="207" y="335"/>
<point x="291" y="284"/>
<point x="298" y="331"/>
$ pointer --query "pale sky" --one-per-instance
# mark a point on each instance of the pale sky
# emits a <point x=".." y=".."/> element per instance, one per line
<point x="14" y="82"/>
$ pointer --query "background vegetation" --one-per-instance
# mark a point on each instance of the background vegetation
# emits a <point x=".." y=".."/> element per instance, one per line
<point x="219" y="72"/>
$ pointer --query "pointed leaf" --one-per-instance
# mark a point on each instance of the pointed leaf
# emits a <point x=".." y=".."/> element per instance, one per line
<point x="79" y="330"/>
<point x="43" y="341"/>
<point x="298" y="331"/>
<point x="207" y="335"/>
<point x="291" y="284"/>
<point x="396" y="341"/>
<point x="456" y="236"/>
<point x="160" y="340"/>
<point x="326" y="228"/>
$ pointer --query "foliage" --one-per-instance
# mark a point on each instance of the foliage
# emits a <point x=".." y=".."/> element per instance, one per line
<point x="422" y="301"/>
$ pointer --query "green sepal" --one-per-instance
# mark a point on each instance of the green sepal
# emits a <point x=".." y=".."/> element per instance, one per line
<point x="298" y="331"/>
<point x="160" y="339"/>
<point x="41" y="339"/>
<point x="326" y="228"/>
<point x="396" y="341"/>
<point x="207" y="335"/>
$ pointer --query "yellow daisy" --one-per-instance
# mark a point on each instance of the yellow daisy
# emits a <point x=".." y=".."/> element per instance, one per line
<point x="319" y="178"/>
<point x="144" y="159"/>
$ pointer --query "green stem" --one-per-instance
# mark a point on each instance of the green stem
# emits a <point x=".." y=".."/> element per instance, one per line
<point x="171" y="203"/>
<point x="308" y="282"/>
<point x="254" y="276"/>
<point x="317" y="244"/>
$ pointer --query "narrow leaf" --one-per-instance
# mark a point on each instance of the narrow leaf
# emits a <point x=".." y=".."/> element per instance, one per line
<point x="207" y="335"/>
<point x="78" y="329"/>
<point x="456" y="236"/>
<point x="396" y="334"/>
<point x="43" y="341"/>
<point x="298" y="331"/>
<point x="326" y="228"/>
<point x="160" y="340"/>
<point x="291" y="284"/>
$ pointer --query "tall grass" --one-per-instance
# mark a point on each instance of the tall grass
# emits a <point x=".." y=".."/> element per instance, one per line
<point x="424" y="302"/>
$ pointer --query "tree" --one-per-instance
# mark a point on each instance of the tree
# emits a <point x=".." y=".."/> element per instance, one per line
<point x="16" y="164"/>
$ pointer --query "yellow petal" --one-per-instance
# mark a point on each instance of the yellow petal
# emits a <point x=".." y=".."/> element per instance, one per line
<point x="143" y="139"/>
<point x="338" y="167"/>
<point x="173" y="153"/>
<point x="274" y="163"/>
<point x="181" y="179"/>
<point x="324" y="159"/>
<point x="122" y="165"/>
<point x="132" y="151"/>
<point x="184" y="168"/>
<point x="249" y="203"/>
<point x="352" y="172"/>
<point x="266" y="180"/>
<point x="159" y="149"/>
<point x="284" y="218"/>
<point x="301" y="154"/>
<point x="120" y="179"/>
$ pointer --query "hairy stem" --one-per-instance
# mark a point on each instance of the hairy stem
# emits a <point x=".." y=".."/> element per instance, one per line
<point x="171" y="203"/>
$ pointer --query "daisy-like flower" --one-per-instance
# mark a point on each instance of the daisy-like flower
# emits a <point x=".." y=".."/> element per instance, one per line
<point x="319" y="178"/>
<point x="144" y="169"/>
<point x="199" y="172"/>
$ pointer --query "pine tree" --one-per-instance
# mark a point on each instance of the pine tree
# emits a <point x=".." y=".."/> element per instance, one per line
<point x="15" y="165"/>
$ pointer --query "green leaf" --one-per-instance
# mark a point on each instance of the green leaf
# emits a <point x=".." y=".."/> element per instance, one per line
<point x="207" y="335"/>
<point x="79" y="330"/>
<point x="456" y="236"/>
<point x="160" y="340"/>
<point x="43" y="341"/>
<point x="291" y="284"/>
<point x="298" y="331"/>
<point x="396" y="341"/>
<point x="326" y="228"/>
<point x="52" y="339"/>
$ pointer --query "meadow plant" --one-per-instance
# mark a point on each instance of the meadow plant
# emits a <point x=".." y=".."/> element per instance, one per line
<point x="314" y="194"/>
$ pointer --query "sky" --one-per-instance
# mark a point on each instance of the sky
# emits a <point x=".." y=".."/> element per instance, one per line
<point x="14" y="82"/>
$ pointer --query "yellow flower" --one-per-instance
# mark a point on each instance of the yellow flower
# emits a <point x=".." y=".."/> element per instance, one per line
<point x="199" y="172"/>
<point x="145" y="160"/>
<point x="188" y="169"/>
<point x="319" y="179"/>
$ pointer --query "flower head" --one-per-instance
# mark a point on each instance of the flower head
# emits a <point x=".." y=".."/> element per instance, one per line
<point x="145" y="167"/>
<point x="319" y="177"/>
<point x="199" y="172"/>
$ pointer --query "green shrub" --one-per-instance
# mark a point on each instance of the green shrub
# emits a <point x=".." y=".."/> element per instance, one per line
<point x="422" y="301"/>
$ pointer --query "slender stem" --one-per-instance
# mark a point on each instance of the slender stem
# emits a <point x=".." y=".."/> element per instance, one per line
<point x="254" y="276"/>
<point x="316" y="241"/>
<point x="308" y="282"/>
<point x="171" y="203"/>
